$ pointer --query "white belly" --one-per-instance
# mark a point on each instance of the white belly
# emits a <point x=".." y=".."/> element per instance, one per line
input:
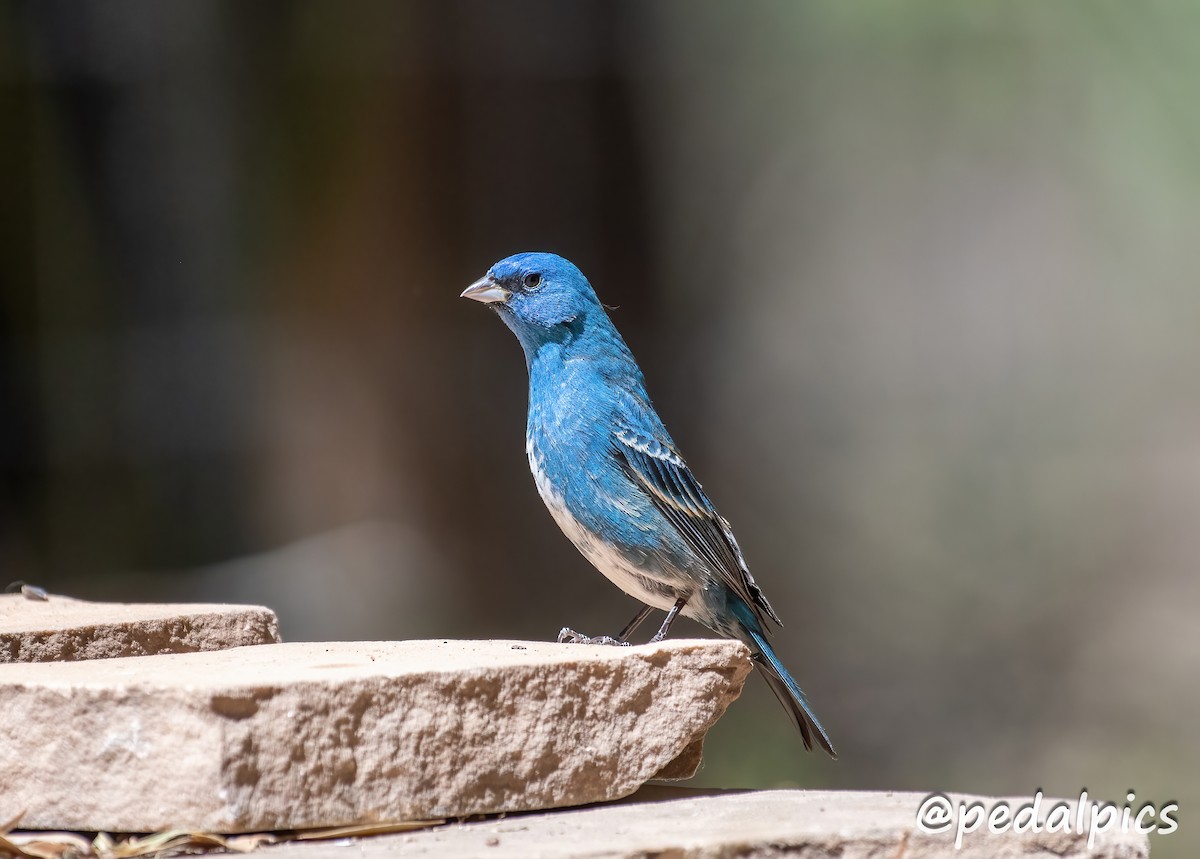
<point x="612" y="563"/>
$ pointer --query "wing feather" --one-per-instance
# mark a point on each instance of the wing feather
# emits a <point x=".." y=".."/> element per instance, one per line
<point x="661" y="472"/>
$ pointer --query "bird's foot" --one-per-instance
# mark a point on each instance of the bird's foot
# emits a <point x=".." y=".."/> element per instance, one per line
<point x="566" y="635"/>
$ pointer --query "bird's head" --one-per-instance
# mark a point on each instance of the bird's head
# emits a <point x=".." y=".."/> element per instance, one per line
<point x="540" y="296"/>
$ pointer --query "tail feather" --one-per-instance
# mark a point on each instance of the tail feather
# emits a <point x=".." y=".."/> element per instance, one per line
<point x="788" y="691"/>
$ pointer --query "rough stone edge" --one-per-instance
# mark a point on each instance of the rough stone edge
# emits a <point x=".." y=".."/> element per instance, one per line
<point x="734" y="675"/>
<point x="185" y="633"/>
<point x="687" y="764"/>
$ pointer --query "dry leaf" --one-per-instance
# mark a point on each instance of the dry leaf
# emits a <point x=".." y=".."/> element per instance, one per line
<point x="246" y="843"/>
<point x="364" y="829"/>
<point x="45" y="845"/>
<point x="72" y="845"/>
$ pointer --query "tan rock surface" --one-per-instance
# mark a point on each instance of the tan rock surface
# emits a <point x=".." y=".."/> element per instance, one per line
<point x="846" y="824"/>
<point x="319" y="734"/>
<point x="65" y="629"/>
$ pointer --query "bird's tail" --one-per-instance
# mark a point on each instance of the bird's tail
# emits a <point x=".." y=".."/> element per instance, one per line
<point x="785" y="687"/>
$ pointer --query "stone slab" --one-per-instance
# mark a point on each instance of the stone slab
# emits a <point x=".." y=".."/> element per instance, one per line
<point x="326" y="734"/>
<point x="61" y="629"/>
<point x="846" y="824"/>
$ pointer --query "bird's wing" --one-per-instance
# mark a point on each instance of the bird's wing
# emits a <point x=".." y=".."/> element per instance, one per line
<point x="660" y="471"/>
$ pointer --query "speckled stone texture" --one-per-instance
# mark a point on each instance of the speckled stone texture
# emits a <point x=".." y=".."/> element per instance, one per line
<point x="61" y="629"/>
<point x="761" y="824"/>
<point x="322" y="734"/>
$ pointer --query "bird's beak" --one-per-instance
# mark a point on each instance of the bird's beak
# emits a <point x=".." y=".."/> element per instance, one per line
<point x="486" y="290"/>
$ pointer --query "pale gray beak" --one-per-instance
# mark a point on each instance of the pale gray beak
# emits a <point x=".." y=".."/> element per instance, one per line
<point x="486" y="290"/>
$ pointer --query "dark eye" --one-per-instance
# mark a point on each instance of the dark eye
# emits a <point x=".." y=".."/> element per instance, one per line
<point x="532" y="280"/>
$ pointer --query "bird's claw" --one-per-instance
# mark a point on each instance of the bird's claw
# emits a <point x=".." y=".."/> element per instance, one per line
<point x="566" y="635"/>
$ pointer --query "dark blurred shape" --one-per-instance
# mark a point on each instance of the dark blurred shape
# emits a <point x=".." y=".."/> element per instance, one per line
<point x="241" y="221"/>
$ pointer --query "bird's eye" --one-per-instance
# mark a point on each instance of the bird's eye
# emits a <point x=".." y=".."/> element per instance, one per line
<point x="532" y="280"/>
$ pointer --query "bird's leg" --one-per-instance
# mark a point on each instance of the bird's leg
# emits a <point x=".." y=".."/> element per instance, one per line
<point x="569" y="636"/>
<point x="671" y="615"/>
<point x="630" y="627"/>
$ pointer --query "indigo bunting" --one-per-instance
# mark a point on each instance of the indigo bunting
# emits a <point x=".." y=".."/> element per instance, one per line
<point x="612" y="477"/>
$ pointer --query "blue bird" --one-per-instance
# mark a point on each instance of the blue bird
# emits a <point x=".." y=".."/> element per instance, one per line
<point x="614" y="481"/>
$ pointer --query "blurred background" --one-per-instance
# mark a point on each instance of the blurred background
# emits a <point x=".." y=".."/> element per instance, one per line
<point x="914" y="285"/>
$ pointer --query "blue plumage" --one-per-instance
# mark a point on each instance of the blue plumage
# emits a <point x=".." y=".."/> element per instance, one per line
<point x="611" y="476"/>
